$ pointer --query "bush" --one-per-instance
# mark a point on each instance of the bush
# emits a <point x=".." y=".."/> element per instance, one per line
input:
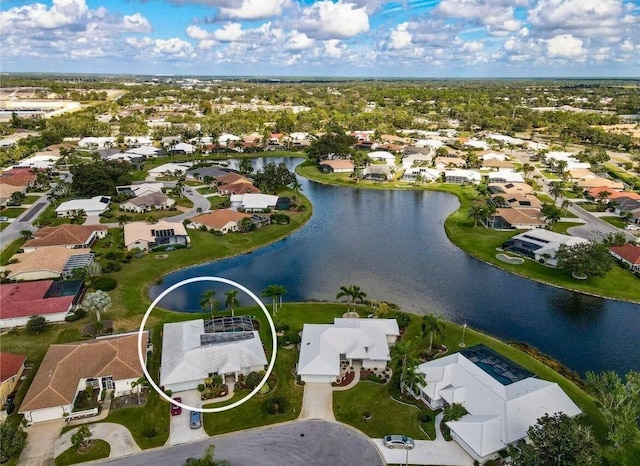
<point x="78" y="314"/>
<point x="105" y="284"/>
<point x="275" y="405"/>
<point x="264" y="389"/>
<point x="426" y="416"/>
<point x="253" y="380"/>
<point x="293" y="338"/>
<point x="114" y="256"/>
<point x="403" y="319"/>
<point x="36" y="324"/>
<point x="150" y="431"/>
<point x="281" y="326"/>
<point x="111" y="266"/>
<point x="201" y="387"/>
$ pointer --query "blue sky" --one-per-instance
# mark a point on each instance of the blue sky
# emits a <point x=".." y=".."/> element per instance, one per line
<point x="368" y="38"/>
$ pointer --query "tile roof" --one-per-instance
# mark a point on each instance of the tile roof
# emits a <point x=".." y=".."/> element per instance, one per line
<point x="50" y="258"/>
<point x="64" y="365"/>
<point x="150" y="199"/>
<point x="27" y="298"/>
<point x="10" y="365"/>
<point x="63" y="235"/>
<point x="628" y="252"/>
<point x="338" y="164"/>
<point x="18" y="176"/>
<point x="518" y="217"/>
<point x="217" y="219"/>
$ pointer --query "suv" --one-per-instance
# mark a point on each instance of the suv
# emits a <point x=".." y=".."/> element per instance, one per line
<point x="398" y="441"/>
<point x="195" y="419"/>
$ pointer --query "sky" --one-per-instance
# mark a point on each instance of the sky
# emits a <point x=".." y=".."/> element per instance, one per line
<point x="332" y="38"/>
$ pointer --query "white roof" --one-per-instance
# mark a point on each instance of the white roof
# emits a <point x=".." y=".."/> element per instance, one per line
<point x="225" y="137"/>
<point x="477" y="144"/>
<point x="142" y="188"/>
<point x="494" y="156"/>
<point x="498" y="414"/>
<point x="183" y="359"/>
<point x="504" y="138"/>
<point x="172" y="167"/>
<point x="38" y="161"/>
<point x="322" y="344"/>
<point x="470" y="174"/>
<point x="255" y="201"/>
<point x="382" y="155"/>
<point x="509" y="177"/>
<point x="142" y="140"/>
<point x="94" y="204"/>
<point x="185" y="147"/>
<point x="143" y="231"/>
<point x="143" y="150"/>
<point x="434" y="143"/>
<point x="121" y="156"/>
<point x="429" y="173"/>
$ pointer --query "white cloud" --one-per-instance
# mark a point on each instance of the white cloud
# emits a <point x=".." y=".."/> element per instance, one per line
<point x="497" y="16"/>
<point x="564" y="46"/>
<point x="231" y="32"/>
<point x="400" y="37"/>
<point x="334" y="48"/>
<point x="298" y="41"/>
<point x="136" y="23"/>
<point x="38" y="16"/>
<point x="328" y="20"/>
<point x="254" y="9"/>
<point x="196" y="32"/>
<point x="173" y="48"/>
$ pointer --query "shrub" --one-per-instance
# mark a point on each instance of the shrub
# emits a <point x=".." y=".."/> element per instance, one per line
<point x="150" y="431"/>
<point x="426" y="416"/>
<point x="114" y="255"/>
<point x="403" y="319"/>
<point x="275" y="405"/>
<point x="112" y="266"/>
<point x="168" y="392"/>
<point x="201" y="387"/>
<point x="264" y="389"/>
<point x="281" y="326"/>
<point x="105" y="284"/>
<point x="78" y="314"/>
<point x="36" y="324"/>
<point x="253" y="380"/>
<point x="292" y="337"/>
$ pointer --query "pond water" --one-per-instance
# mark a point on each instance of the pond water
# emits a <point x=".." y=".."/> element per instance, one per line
<point x="392" y="244"/>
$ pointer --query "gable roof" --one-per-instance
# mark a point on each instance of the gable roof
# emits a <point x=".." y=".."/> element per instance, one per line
<point x="49" y="258"/>
<point x="217" y="219"/>
<point x="10" y="365"/>
<point x="63" y="366"/>
<point x="64" y="235"/>
<point x="519" y="217"/>
<point x="143" y="231"/>
<point x="339" y="164"/>
<point x="93" y="204"/>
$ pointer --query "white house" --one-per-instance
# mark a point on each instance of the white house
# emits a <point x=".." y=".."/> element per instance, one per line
<point x="140" y="189"/>
<point x="94" y="206"/>
<point x="227" y="139"/>
<point x="541" y="245"/>
<point x="144" y="151"/>
<point x="505" y="177"/>
<point x="193" y="351"/>
<point x="96" y="142"/>
<point x="324" y="346"/>
<point x="383" y="155"/>
<point x="476" y="144"/>
<point x="109" y="363"/>
<point x="183" y="148"/>
<point x="427" y="174"/>
<point x="462" y="176"/>
<point x="145" y="236"/>
<point x="251" y="202"/>
<point x="502" y="399"/>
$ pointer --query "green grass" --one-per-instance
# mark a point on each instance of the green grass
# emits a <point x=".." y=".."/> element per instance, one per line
<point x="545" y="199"/>
<point x="4" y="225"/>
<point x="31" y="199"/>
<point x="207" y="190"/>
<point x="562" y="227"/>
<point x="12" y="212"/>
<point x="615" y="221"/>
<point x="591" y="207"/>
<point x="135" y="217"/>
<point x="9" y="250"/>
<point x="99" y="449"/>
<point x="374" y="398"/>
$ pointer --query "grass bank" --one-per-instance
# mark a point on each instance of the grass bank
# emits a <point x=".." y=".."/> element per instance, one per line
<point x="481" y="243"/>
<point x="99" y="449"/>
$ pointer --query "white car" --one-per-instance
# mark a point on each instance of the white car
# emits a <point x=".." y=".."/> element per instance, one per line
<point x="632" y="227"/>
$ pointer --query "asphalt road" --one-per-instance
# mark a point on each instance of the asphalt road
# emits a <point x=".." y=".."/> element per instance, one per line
<point x="297" y="443"/>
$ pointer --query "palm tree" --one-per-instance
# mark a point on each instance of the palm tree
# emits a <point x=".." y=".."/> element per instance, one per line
<point x="565" y="205"/>
<point x="431" y="324"/>
<point x="279" y="292"/>
<point x="413" y="379"/>
<point x="232" y="300"/>
<point x="551" y="213"/>
<point x="477" y="212"/>
<point x="273" y="292"/>
<point x="357" y="295"/>
<point x="348" y="293"/>
<point x="527" y="169"/>
<point x="556" y="190"/>
<point x="97" y="301"/>
<point x="140" y="384"/>
<point x="124" y="219"/>
<point x="208" y="299"/>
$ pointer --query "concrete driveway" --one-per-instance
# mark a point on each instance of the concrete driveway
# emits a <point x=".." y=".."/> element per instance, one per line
<point x="317" y="402"/>
<point x="42" y="438"/>
<point x="116" y="435"/>
<point x="179" y="429"/>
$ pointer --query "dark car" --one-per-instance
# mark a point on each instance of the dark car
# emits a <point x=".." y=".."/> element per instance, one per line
<point x="195" y="419"/>
<point x="175" y="409"/>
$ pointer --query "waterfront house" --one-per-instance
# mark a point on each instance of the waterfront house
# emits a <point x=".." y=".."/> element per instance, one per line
<point x="147" y="237"/>
<point x="94" y="206"/>
<point x="221" y="220"/>
<point x="628" y="254"/>
<point x="11" y="369"/>
<point x="67" y="235"/>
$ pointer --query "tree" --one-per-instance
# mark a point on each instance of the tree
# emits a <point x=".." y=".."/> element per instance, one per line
<point x="401" y="352"/>
<point x="26" y="234"/>
<point x="619" y="403"/>
<point x="381" y="310"/>
<point x="353" y="293"/>
<point x="87" y="273"/>
<point x="80" y="438"/>
<point x="590" y="259"/>
<point x="232" y="300"/>
<point x="603" y="196"/>
<point x="12" y="440"/>
<point x="36" y="324"/>
<point x="245" y="168"/>
<point x="123" y="220"/>
<point x="331" y="145"/>
<point x="412" y="379"/>
<point x="97" y="301"/>
<point x="206" y="459"/>
<point x="432" y="325"/>
<point x="556" y="440"/>
<point x="478" y="212"/>
<point x="274" y="292"/>
<point x="527" y="169"/>
<point x="208" y="299"/>
<point x="140" y="383"/>
<point x="556" y="190"/>
<point x="551" y="213"/>
<point x="100" y="177"/>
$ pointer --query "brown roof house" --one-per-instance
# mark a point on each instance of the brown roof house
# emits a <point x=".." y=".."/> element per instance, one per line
<point x="147" y="237"/>
<point x="337" y="166"/>
<point x="525" y="219"/>
<point x="67" y="235"/>
<point x="629" y="254"/>
<point x="222" y="220"/>
<point x="109" y="363"/>
<point x="52" y="300"/>
<point x="11" y="369"/>
<point x="148" y="202"/>
<point x="47" y="262"/>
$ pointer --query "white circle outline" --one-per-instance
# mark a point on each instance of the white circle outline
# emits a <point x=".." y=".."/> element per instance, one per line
<point x="210" y="279"/>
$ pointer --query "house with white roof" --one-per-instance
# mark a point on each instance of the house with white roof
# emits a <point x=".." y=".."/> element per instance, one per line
<point x="383" y="155"/>
<point x="325" y="346"/>
<point x="140" y="189"/>
<point x="253" y="202"/>
<point x="502" y="399"/>
<point x="94" y="206"/>
<point x="426" y="174"/>
<point x="183" y="148"/>
<point x="144" y="151"/>
<point x="462" y="176"/>
<point x="227" y="139"/>
<point x="505" y="177"/>
<point x="194" y="350"/>
<point x="40" y="160"/>
<point x="170" y="168"/>
<point x="137" y="141"/>
<point x="146" y="237"/>
<point x="96" y="142"/>
<point x="476" y="144"/>
<point x="540" y="245"/>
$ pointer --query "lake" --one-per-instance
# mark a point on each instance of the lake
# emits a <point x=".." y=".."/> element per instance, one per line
<point x="393" y="245"/>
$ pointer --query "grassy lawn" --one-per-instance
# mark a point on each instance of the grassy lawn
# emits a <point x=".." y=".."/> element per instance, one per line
<point x="99" y="449"/>
<point x="562" y="227"/>
<point x="31" y="199"/>
<point x="4" y="225"/>
<point x="9" y="250"/>
<point x="545" y="199"/>
<point x="206" y="190"/>
<point x="615" y="221"/>
<point x="115" y="210"/>
<point x="12" y="212"/>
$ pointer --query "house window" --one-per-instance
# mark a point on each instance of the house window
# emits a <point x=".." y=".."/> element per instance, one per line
<point x="92" y="383"/>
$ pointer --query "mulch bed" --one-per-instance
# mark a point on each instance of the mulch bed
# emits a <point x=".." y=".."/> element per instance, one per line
<point x="126" y="401"/>
<point x="347" y="379"/>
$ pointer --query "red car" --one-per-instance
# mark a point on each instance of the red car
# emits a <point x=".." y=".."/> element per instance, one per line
<point x="175" y="409"/>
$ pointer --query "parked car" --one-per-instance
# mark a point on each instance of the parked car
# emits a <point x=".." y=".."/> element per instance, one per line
<point x="399" y="441"/>
<point x="632" y="227"/>
<point x="175" y="409"/>
<point x="4" y="219"/>
<point x="195" y="419"/>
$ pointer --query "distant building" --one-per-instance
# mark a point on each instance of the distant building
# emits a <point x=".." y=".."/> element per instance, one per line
<point x="222" y="220"/>
<point x="337" y="166"/>
<point x="67" y="235"/>
<point x="627" y="253"/>
<point x="11" y="369"/>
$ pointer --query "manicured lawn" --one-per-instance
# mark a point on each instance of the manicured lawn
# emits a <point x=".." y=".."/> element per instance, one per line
<point x="31" y="199"/>
<point x="9" y="250"/>
<point x="3" y="225"/>
<point x="615" y="221"/>
<point x="545" y="199"/>
<point x="99" y="449"/>
<point x="387" y="415"/>
<point x="207" y="190"/>
<point x="12" y="212"/>
<point x="135" y="217"/>
<point x="562" y="227"/>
